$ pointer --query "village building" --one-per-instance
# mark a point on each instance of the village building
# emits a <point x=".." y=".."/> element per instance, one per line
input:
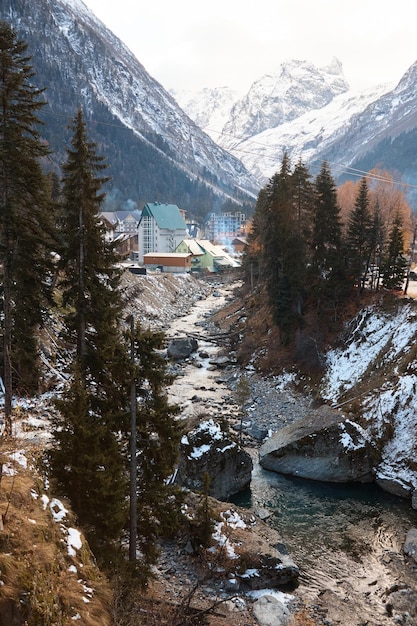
<point x="207" y="256"/>
<point x="223" y="227"/>
<point x="121" y="228"/>
<point x="168" y="262"/>
<point x="161" y="228"/>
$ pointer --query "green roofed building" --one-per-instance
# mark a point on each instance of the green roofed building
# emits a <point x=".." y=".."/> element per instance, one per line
<point x="161" y="228"/>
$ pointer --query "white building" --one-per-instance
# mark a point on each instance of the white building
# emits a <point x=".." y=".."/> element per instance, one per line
<point x="161" y="228"/>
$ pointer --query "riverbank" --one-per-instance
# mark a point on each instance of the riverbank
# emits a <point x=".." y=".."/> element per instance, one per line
<point x="353" y="569"/>
<point x="355" y="578"/>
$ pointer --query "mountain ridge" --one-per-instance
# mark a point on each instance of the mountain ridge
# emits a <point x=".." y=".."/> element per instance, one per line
<point x="355" y="131"/>
<point x="155" y="151"/>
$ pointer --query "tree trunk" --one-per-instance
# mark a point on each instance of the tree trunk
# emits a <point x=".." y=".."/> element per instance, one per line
<point x="8" y="389"/>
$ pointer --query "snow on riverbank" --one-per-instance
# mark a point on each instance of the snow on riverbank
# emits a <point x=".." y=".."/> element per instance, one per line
<point x="382" y="345"/>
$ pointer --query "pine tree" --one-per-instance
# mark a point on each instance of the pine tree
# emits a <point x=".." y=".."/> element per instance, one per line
<point x="88" y="467"/>
<point x="158" y="437"/>
<point x="359" y="236"/>
<point x="93" y="415"/>
<point x="284" y="252"/>
<point x="24" y="226"/>
<point x="91" y="279"/>
<point x="394" y="266"/>
<point x="327" y="273"/>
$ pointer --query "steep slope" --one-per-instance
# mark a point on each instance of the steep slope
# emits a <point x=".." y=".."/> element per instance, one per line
<point x="383" y="134"/>
<point x="306" y="136"/>
<point x="155" y="151"/>
<point x="273" y="100"/>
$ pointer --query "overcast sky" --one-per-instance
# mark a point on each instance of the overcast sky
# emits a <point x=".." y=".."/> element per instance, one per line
<point x="186" y="44"/>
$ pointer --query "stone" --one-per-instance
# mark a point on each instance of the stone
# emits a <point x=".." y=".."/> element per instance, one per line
<point x="208" y="449"/>
<point x="410" y="545"/>
<point x="394" y="485"/>
<point x="181" y="348"/>
<point x="414" y="499"/>
<point x="268" y="571"/>
<point x="323" y="446"/>
<point x="269" y="611"/>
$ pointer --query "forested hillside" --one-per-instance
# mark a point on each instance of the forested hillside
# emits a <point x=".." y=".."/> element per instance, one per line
<point x="311" y="259"/>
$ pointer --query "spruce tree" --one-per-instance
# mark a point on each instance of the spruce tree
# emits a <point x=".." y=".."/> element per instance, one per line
<point x="158" y="436"/>
<point x="93" y="413"/>
<point x="283" y="249"/>
<point x="327" y="273"/>
<point x="25" y="232"/>
<point x="359" y="236"/>
<point x="394" y="265"/>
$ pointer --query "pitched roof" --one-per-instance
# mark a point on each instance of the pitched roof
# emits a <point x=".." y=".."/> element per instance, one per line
<point x="166" y="215"/>
<point x="123" y="215"/>
<point x="193" y="246"/>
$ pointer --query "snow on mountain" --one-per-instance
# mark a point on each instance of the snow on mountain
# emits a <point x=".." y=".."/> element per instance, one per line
<point x="275" y="99"/>
<point x="387" y="117"/>
<point x="305" y="135"/>
<point x="301" y="110"/>
<point x="209" y="108"/>
<point x="80" y="62"/>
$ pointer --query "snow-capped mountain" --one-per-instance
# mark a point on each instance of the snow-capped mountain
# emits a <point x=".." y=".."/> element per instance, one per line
<point x="155" y="151"/>
<point x="311" y="114"/>
<point x="296" y="88"/>
<point x="209" y="108"/>
<point x="305" y="136"/>
<point x="376" y="132"/>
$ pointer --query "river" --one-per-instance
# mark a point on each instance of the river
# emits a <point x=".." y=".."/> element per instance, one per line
<point x="346" y="539"/>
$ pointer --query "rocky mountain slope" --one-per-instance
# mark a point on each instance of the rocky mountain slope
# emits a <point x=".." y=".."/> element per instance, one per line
<point x="155" y="151"/>
<point x="312" y="114"/>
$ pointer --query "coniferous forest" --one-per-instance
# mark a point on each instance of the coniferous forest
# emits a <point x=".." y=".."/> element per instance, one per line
<point x="314" y="248"/>
<point x="55" y="261"/>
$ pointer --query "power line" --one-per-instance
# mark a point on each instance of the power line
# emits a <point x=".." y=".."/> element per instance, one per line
<point x="343" y="169"/>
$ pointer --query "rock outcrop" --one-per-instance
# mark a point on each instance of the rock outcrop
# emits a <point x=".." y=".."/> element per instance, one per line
<point x="181" y="348"/>
<point x="210" y="450"/>
<point x="325" y="446"/>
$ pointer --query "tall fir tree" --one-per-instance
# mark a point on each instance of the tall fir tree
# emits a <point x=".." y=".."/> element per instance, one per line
<point x="360" y="238"/>
<point x="25" y="226"/>
<point x="284" y="249"/>
<point x="394" y="264"/>
<point x="158" y="436"/>
<point x="94" y="412"/>
<point x="328" y="272"/>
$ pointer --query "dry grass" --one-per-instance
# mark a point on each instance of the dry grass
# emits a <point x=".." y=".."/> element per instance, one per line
<point x="37" y="585"/>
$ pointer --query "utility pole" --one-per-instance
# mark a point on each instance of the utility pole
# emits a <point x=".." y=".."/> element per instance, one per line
<point x="133" y="462"/>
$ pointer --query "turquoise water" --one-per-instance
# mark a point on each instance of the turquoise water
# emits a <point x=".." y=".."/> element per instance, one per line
<point x="327" y="527"/>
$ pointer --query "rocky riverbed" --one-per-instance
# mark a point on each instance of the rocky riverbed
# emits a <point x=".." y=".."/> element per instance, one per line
<point x="373" y="583"/>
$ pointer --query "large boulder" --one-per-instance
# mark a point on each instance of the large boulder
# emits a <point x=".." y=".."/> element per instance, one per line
<point x="181" y="348"/>
<point x="208" y="449"/>
<point x="325" y="446"/>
